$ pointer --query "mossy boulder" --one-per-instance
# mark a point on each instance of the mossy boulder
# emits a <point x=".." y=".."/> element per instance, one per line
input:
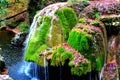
<point x="50" y="30"/>
<point x="88" y="39"/>
<point x="63" y="54"/>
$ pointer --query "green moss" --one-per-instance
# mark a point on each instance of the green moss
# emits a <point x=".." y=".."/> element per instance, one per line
<point x="79" y="41"/>
<point x="95" y="10"/>
<point x="99" y="63"/>
<point x="82" y="20"/>
<point x="83" y="42"/>
<point x="96" y="23"/>
<point x="55" y="61"/>
<point x="67" y="18"/>
<point x="38" y="39"/>
<point x="60" y="50"/>
<point x="66" y="56"/>
<point x="61" y="56"/>
<point x="81" y="69"/>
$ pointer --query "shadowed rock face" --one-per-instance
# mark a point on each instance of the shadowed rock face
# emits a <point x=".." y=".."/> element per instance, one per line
<point x="85" y="33"/>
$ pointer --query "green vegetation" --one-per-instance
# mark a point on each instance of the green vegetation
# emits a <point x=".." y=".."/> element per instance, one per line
<point x="82" y="20"/>
<point x="62" y="56"/>
<point x="66" y="56"/>
<point x="96" y="23"/>
<point x="3" y="11"/>
<point x="24" y="27"/>
<point x="68" y="19"/>
<point x="83" y="42"/>
<point x="82" y="68"/>
<point x="55" y="61"/>
<point x="96" y="12"/>
<point x="38" y="39"/>
<point x="3" y="3"/>
<point x="79" y="41"/>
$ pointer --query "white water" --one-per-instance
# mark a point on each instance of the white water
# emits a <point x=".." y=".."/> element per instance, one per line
<point x="46" y="68"/>
<point x="101" y="73"/>
<point x="26" y="67"/>
<point x="51" y="27"/>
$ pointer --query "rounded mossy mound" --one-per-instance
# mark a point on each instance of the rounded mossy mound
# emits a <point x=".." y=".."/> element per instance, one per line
<point x="65" y="54"/>
<point x="49" y="31"/>
<point x="88" y="39"/>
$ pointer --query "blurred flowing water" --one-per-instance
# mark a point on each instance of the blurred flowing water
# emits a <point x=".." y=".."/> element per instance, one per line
<point x="13" y="56"/>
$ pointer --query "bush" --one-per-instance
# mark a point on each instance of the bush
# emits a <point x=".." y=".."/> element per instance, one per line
<point x="24" y="27"/>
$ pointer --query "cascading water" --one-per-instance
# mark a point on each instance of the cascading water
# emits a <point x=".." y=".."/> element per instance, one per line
<point x="50" y="33"/>
<point x="46" y="69"/>
<point x="32" y="70"/>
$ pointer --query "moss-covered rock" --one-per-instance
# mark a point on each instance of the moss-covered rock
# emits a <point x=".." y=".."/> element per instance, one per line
<point x="97" y="8"/>
<point x="50" y="30"/>
<point x="65" y="54"/>
<point x="112" y="23"/>
<point x="38" y="39"/>
<point x="89" y="41"/>
<point x="67" y="18"/>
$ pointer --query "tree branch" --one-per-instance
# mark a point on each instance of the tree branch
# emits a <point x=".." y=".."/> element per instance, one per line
<point x="13" y="16"/>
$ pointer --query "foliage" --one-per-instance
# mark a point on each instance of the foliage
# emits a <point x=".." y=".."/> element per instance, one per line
<point x="95" y="10"/>
<point x="82" y="41"/>
<point x="24" y="27"/>
<point x="68" y="19"/>
<point x="96" y="23"/>
<point x="3" y="11"/>
<point x="38" y="39"/>
<point x="55" y="61"/>
<point x="3" y="3"/>
<point x="81" y="69"/>
<point x="79" y="41"/>
<point x="82" y="20"/>
<point x="65" y="54"/>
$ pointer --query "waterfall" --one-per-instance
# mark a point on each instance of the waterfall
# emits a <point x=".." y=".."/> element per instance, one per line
<point x="50" y="33"/>
<point x="101" y="73"/>
<point x="46" y="68"/>
<point x="32" y="70"/>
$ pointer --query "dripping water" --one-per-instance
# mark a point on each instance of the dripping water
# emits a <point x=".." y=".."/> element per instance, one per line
<point x="46" y="68"/>
<point x="50" y="33"/>
<point x="101" y="73"/>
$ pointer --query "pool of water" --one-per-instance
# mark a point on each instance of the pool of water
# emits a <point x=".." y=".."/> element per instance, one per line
<point x="13" y="56"/>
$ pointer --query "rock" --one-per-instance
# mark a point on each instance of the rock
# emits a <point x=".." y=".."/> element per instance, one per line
<point x="18" y="39"/>
<point x="2" y="66"/>
<point x="111" y="71"/>
<point x="15" y="30"/>
<point x="5" y="77"/>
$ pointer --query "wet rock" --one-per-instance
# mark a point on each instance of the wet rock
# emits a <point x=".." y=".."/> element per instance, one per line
<point x="5" y="77"/>
<point x="18" y="39"/>
<point x="2" y="66"/>
<point x="111" y="71"/>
